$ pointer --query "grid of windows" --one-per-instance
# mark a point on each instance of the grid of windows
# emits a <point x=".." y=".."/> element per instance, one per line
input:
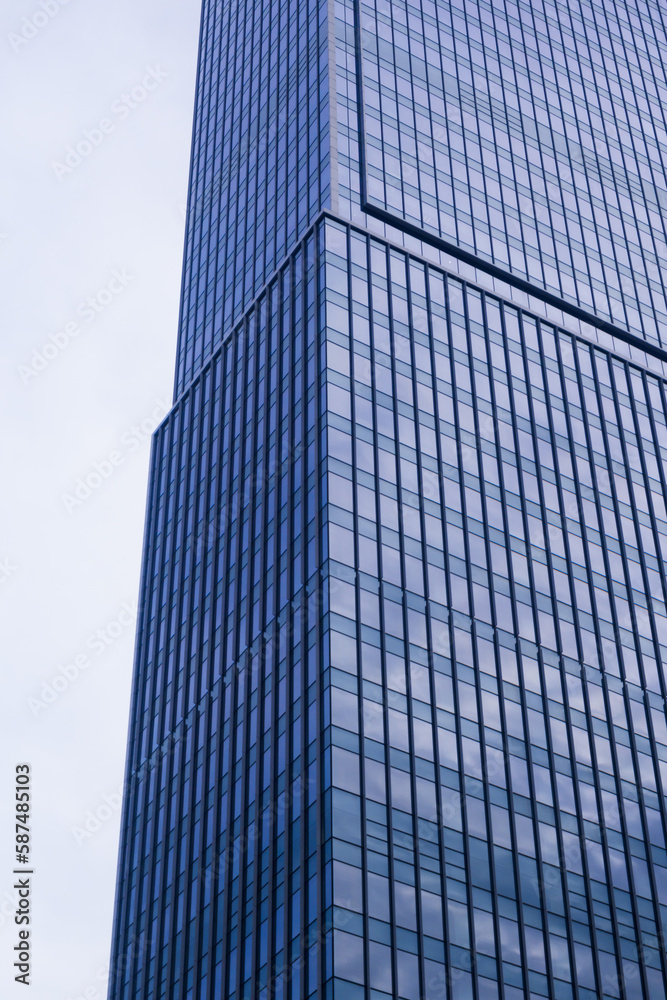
<point x="498" y="535"/>
<point x="533" y="134"/>
<point x="399" y="725"/>
<point x="483" y="569"/>
<point x="260" y="160"/>
<point x="221" y="885"/>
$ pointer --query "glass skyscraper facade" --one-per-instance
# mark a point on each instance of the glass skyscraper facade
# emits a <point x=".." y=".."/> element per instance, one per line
<point x="398" y="728"/>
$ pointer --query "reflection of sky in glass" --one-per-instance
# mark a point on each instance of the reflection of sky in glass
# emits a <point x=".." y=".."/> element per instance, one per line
<point x="532" y="134"/>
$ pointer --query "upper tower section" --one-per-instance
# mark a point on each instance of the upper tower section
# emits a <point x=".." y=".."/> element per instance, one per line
<point x="524" y="138"/>
<point x="260" y="159"/>
<point x="530" y="134"/>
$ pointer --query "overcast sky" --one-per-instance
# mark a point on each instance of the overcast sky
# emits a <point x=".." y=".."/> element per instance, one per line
<point x="96" y="124"/>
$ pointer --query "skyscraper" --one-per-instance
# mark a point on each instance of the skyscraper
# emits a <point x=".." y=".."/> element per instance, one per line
<point x="398" y="727"/>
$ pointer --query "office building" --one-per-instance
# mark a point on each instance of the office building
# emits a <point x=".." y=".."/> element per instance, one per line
<point x="398" y="726"/>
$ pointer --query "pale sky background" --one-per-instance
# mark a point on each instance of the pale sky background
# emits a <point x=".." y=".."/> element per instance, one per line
<point x="68" y="568"/>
